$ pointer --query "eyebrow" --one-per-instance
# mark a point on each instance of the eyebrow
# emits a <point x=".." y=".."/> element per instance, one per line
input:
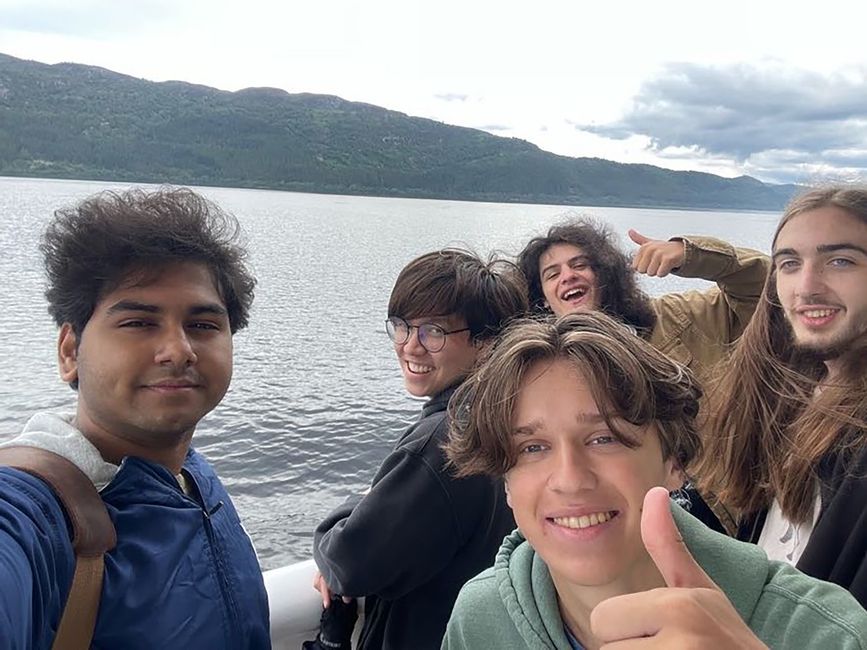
<point x="209" y="308"/>
<point x="831" y="248"/>
<point x="531" y="428"/>
<point x="582" y="257"/>
<point x="133" y="305"/>
<point x="822" y="248"/>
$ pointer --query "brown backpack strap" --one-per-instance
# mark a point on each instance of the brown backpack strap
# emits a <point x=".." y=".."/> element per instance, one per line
<point x="93" y="535"/>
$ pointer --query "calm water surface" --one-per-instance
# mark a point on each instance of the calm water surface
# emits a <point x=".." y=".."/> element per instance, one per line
<point x="317" y="400"/>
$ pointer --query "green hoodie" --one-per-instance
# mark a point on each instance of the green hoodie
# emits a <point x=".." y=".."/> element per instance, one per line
<point x="514" y="603"/>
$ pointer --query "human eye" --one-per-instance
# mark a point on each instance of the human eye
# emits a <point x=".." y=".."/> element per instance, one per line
<point x="579" y="265"/>
<point x="135" y="323"/>
<point x="600" y="439"/>
<point x="550" y="274"/>
<point x="531" y="448"/>
<point x="841" y="262"/>
<point x="787" y="264"/>
<point x="396" y="328"/>
<point x="433" y="332"/>
<point x="204" y="326"/>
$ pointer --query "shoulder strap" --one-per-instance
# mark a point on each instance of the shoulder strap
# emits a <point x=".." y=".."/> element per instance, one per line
<point x="93" y="535"/>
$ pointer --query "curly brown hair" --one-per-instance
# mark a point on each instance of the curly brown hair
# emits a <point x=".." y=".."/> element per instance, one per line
<point x="91" y="248"/>
<point x="620" y="296"/>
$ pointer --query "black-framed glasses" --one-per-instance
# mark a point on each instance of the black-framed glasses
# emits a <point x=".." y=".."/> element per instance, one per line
<point x="431" y="337"/>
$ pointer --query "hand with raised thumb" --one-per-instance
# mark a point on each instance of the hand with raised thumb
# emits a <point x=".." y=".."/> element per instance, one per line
<point x="689" y="612"/>
<point x="656" y="257"/>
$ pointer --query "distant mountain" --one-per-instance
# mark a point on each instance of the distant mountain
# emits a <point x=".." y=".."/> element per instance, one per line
<point x="76" y="121"/>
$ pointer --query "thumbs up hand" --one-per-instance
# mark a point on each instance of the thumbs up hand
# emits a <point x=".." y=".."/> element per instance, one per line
<point x="689" y="612"/>
<point x="656" y="257"/>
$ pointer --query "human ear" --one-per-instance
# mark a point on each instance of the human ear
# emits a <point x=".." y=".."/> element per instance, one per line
<point x="674" y="476"/>
<point x="508" y="494"/>
<point x="67" y="353"/>
<point x="481" y="344"/>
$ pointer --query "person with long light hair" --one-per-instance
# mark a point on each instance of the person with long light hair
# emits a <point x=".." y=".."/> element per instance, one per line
<point x="786" y="437"/>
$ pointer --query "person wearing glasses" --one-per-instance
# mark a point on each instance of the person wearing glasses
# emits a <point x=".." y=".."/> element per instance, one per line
<point x="419" y="533"/>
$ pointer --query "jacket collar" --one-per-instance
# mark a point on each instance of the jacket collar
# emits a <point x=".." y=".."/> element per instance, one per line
<point x="55" y="433"/>
<point x="739" y="569"/>
<point x="438" y="402"/>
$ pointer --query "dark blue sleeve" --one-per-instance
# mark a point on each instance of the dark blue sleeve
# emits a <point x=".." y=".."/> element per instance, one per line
<point x="36" y="561"/>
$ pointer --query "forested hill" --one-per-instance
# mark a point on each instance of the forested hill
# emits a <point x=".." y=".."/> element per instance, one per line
<point x="76" y="121"/>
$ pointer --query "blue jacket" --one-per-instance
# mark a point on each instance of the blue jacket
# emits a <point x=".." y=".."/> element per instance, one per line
<point x="182" y="575"/>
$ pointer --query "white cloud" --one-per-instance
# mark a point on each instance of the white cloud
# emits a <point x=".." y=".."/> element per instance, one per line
<point x="530" y="69"/>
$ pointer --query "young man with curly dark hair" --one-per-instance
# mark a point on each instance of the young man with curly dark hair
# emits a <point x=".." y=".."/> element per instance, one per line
<point x="147" y="289"/>
<point x="577" y="266"/>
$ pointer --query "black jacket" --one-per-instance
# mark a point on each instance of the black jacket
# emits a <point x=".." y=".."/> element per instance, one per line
<point x="411" y="543"/>
<point x="837" y="550"/>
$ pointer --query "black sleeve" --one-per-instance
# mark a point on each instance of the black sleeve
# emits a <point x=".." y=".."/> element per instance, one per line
<point x="837" y="549"/>
<point x="398" y="536"/>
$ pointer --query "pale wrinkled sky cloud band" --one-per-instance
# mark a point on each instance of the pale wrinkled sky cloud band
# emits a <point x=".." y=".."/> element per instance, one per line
<point x="766" y="89"/>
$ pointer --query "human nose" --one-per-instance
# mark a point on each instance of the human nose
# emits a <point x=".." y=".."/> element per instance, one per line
<point x="567" y="273"/>
<point x="811" y="280"/>
<point x="570" y="471"/>
<point x="175" y="348"/>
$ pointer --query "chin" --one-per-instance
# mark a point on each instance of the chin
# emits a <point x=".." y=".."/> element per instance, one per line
<point x="824" y="351"/>
<point x="414" y="389"/>
<point x="169" y="429"/>
<point x="595" y="575"/>
<point x="580" y="308"/>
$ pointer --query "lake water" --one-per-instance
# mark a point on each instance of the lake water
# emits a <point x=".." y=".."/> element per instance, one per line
<point x="317" y="399"/>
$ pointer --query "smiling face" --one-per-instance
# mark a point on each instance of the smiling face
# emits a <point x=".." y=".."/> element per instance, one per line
<point x="576" y="492"/>
<point x="568" y="281"/>
<point x="153" y="359"/>
<point x="820" y="258"/>
<point x="426" y="374"/>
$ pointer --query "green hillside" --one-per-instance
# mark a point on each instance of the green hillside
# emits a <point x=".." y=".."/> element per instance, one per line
<point x="75" y="121"/>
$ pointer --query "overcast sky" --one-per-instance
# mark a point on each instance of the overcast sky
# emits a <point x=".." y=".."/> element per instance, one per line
<point x="776" y="90"/>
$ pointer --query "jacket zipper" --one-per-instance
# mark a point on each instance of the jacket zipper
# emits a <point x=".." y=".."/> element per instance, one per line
<point x="221" y="574"/>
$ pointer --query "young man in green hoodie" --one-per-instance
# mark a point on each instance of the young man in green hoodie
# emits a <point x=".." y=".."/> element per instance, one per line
<point x="585" y="421"/>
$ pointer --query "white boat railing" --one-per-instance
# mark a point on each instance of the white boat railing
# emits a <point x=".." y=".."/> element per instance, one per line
<point x="295" y="605"/>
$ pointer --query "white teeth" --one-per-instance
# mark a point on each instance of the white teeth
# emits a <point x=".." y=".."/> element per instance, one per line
<point x="418" y="369"/>
<point x="574" y="293"/>
<point x="818" y="313"/>
<point x="584" y="521"/>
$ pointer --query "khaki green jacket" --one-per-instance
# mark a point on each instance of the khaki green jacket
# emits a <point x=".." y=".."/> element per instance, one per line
<point x="696" y="328"/>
